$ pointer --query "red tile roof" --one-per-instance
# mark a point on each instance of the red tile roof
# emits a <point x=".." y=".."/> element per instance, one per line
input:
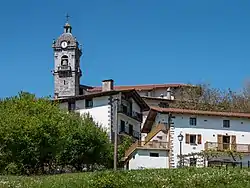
<point x="133" y="93"/>
<point x="201" y="112"/>
<point x="147" y="126"/>
<point x="140" y="87"/>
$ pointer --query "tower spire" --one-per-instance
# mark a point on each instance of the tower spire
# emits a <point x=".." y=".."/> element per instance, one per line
<point x="67" y="26"/>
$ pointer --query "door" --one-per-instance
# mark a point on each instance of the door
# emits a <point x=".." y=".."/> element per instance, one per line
<point x="226" y="142"/>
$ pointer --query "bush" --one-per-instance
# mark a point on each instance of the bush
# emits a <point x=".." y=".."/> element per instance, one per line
<point x="12" y="169"/>
<point x="36" y="137"/>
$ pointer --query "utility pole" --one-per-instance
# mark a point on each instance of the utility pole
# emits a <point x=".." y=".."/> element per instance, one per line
<point x="115" y="127"/>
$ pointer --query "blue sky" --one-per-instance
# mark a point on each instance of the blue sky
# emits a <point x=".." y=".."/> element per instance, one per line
<point x="130" y="41"/>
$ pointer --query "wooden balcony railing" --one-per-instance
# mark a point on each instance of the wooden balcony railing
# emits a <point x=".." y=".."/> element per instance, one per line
<point x="131" y="132"/>
<point x="242" y="148"/>
<point x="126" y="110"/>
<point x="146" y="145"/>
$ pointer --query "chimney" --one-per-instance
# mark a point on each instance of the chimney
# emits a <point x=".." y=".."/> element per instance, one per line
<point x="107" y="85"/>
<point x="168" y="93"/>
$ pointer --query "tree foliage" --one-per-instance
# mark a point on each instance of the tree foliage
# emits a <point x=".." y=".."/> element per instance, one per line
<point x="126" y="142"/>
<point x="205" y="97"/>
<point x="37" y="137"/>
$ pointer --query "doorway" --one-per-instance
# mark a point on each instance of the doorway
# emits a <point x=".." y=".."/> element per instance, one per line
<point x="226" y="142"/>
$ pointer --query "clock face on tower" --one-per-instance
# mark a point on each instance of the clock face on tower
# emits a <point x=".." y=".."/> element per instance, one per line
<point x="64" y="44"/>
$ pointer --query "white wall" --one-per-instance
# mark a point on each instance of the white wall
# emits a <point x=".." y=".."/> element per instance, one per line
<point x="158" y="92"/>
<point x="143" y="92"/>
<point x="160" y="137"/>
<point x="154" y="93"/>
<point x="208" y="127"/>
<point x="100" y="115"/>
<point x="142" y="159"/>
<point x="161" y="118"/>
<point x="100" y="111"/>
<point x="98" y="101"/>
<point x="128" y="120"/>
<point x="136" y="107"/>
<point x="144" y="116"/>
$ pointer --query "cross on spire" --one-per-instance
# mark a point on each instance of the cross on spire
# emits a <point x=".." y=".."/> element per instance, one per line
<point x="67" y="26"/>
<point x="67" y="17"/>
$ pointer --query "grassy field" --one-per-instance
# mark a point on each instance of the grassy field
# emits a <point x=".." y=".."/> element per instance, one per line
<point x="184" y="178"/>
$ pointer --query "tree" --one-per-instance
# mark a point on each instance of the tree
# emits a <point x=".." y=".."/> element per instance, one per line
<point x="205" y="97"/>
<point x="126" y="142"/>
<point x="84" y="145"/>
<point x="37" y="137"/>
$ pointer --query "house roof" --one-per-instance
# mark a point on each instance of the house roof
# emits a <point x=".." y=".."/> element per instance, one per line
<point x="132" y="93"/>
<point x="154" y="110"/>
<point x="140" y="87"/>
<point x="201" y="112"/>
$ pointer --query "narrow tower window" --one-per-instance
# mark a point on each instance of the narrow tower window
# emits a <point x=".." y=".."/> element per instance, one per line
<point x="64" y="60"/>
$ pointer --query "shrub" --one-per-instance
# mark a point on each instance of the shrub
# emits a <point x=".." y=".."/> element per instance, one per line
<point x="36" y="137"/>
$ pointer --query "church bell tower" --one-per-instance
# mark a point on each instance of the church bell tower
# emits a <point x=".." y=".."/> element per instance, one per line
<point x="67" y="72"/>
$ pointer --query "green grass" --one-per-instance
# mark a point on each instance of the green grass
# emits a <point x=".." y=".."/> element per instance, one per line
<point x="184" y="178"/>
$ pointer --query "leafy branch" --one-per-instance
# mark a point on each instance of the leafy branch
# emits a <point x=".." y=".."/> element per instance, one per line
<point x="204" y="97"/>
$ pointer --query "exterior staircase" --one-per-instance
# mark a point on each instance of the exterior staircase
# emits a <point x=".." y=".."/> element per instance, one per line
<point x="132" y="148"/>
<point x="147" y="143"/>
<point x="156" y="129"/>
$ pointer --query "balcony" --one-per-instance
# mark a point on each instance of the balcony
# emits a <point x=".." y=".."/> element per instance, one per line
<point x="64" y="68"/>
<point x="125" y="110"/>
<point x="146" y="145"/>
<point x="242" y="148"/>
<point x="126" y="130"/>
<point x="64" y="71"/>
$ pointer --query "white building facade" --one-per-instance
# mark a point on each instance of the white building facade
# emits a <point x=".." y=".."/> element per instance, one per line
<point x="201" y="130"/>
<point x="109" y="108"/>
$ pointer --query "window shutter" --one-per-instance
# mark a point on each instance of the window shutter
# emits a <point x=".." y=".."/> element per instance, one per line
<point x="199" y="138"/>
<point x="233" y="139"/>
<point x="220" y="142"/>
<point x="233" y="142"/>
<point x="187" y="138"/>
